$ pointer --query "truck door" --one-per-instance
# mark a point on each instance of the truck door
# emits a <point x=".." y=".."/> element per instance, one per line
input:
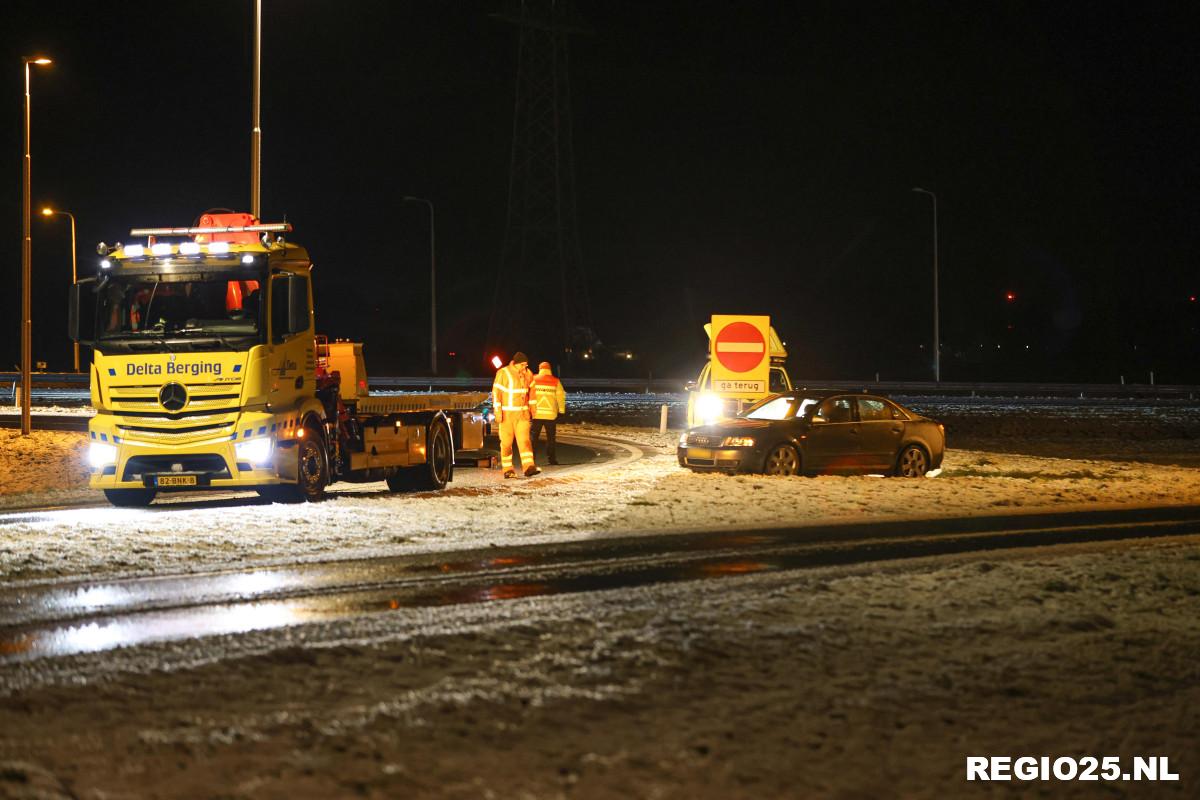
<point x="292" y="356"/>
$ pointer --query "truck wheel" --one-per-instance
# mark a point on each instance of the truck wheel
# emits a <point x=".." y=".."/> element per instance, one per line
<point x="437" y="470"/>
<point x="312" y="467"/>
<point x="130" y="498"/>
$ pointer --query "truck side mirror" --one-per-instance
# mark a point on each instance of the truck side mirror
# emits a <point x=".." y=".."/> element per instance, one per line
<point x="81" y="315"/>
<point x="297" y="296"/>
<point x="289" y="306"/>
<point x="690" y="386"/>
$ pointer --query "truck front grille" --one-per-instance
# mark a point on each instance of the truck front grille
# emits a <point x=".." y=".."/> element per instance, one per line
<point x="156" y="433"/>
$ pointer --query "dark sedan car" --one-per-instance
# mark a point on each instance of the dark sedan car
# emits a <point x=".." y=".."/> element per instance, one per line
<point x="818" y="432"/>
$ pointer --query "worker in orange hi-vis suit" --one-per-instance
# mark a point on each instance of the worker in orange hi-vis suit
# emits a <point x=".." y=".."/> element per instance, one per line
<point x="510" y="401"/>
<point x="548" y="399"/>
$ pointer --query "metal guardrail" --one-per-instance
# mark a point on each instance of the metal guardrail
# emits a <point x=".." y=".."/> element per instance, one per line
<point x="62" y="386"/>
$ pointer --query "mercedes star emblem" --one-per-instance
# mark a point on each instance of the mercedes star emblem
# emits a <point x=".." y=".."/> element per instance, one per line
<point x="172" y="396"/>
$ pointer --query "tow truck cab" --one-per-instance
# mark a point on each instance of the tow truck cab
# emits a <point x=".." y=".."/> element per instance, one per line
<point x="208" y="374"/>
<point x="706" y="406"/>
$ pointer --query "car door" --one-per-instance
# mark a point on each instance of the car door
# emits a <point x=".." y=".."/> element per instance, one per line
<point x="833" y="438"/>
<point x="879" y="433"/>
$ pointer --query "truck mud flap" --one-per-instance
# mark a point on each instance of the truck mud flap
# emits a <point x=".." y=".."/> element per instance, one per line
<point x="286" y="461"/>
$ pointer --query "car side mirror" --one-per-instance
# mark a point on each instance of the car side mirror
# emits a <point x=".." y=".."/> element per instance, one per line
<point x="690" y="386"/>
<point x="814" y="419"/>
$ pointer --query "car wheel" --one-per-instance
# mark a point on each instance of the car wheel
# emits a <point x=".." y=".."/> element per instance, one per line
<point x="782" y="459"/>
<point x="912" y="463"/>
<point x="130" y="498"/>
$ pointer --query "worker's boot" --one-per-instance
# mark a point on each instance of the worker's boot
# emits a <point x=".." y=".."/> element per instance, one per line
<point x="508" y="473"/>
<point x="531" y="471"/>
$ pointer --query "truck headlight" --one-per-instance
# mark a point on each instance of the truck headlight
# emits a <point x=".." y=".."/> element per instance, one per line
<point x="710" y="407"/>
<point x="738" y="441"/>
<point x="256" y="451"/>
<point x="101" y="454"/>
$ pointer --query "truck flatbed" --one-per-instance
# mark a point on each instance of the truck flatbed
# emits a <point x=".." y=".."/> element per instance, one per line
<point x="405" y="403"/>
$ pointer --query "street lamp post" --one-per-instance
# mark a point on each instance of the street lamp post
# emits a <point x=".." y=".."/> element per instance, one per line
<point x="50" y="212"/>
<point x="937" y="341"/>
<point x="256" y="122"/>
<point x="432" y="285"/>
<point x="27" y="262"/>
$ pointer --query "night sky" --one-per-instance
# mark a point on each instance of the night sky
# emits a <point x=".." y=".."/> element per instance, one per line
<point x="731" y="157"/>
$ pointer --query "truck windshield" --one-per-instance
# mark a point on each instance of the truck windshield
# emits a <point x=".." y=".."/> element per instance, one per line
<point x="159" y="308"/>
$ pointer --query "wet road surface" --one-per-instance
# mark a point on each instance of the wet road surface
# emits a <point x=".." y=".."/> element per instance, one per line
<point x="79" y="617"/>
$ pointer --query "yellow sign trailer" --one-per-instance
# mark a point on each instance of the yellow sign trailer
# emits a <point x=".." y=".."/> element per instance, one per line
<point x="208" y="374"/>
<point x="728" y="384"/>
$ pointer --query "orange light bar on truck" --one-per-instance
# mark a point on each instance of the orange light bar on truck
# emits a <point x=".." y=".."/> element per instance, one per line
<point x="274" y="227"/>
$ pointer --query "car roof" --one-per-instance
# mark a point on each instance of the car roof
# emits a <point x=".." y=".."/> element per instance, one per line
<point x="822" y="394"/>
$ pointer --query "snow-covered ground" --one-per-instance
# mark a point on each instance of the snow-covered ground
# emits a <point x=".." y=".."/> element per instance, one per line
<point x="855" y="682"/>
<point x="647" y="495"/>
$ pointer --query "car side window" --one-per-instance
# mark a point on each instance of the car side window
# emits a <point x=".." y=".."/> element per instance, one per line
<point x="777" y="382"/>
<point x="836" y="409"/>
<point x="870" y="410"/>
<point x="897" y="412"/>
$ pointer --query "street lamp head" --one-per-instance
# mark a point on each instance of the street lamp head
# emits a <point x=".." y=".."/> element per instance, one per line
<point x="39" y="60"/>
<point x="46" y="212"/>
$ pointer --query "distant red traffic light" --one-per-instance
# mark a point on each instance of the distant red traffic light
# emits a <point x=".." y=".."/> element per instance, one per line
<point x="1010" y="296"/>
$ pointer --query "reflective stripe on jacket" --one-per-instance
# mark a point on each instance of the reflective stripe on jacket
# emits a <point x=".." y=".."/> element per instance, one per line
<point x="510" y="391"/>
<point x="548" y="397"/>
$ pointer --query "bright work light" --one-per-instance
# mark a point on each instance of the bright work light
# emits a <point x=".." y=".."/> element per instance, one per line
<point x="189" y="249"/>
<point x="710" y="407"/>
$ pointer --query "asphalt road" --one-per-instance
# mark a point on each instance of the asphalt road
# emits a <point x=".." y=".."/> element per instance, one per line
<point x="73" y="617"/>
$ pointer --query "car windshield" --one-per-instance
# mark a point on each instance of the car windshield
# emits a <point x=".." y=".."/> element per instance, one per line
<point x="156" y="307"/>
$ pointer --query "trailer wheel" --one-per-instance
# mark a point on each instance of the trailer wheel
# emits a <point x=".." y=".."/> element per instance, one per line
<point x="438" y="468"/>
<point x="130" y="498"/>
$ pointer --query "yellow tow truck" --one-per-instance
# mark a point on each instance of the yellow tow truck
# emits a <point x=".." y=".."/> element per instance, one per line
<point x="208" y="374"/>
<point x="706" y="405"/>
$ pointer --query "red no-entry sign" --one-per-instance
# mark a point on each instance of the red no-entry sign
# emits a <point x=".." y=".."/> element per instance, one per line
<point x="740" y="362"/>
<point x="740" y="347"/>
